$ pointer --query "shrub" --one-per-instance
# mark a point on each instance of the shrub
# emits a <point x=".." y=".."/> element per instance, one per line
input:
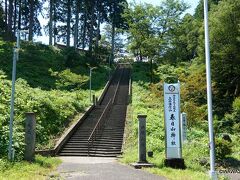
<point x="69" y="80"/>
<point x="72" y="57"/>
<point x="196" y="115"/>
<point x="222" y="148"/>
<point x="231" y="121"/>
<point x="167" y="73"/>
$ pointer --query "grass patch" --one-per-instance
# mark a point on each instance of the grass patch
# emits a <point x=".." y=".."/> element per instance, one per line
<point x="147" y="99"/>
<point x="38" y="170"/>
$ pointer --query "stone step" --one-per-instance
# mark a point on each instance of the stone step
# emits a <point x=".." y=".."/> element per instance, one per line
<point x="108" y="142"/>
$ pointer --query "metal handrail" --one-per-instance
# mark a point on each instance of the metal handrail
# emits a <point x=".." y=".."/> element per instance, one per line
<point x="98" y="126"/>
<point x="130" y="91"/>
<point x="115" y="93"/>
<point x="100" y="121"/>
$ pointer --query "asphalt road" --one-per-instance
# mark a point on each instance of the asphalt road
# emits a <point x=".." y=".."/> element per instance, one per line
<point x="95" y="168"/>
<point x="91" y="168"/>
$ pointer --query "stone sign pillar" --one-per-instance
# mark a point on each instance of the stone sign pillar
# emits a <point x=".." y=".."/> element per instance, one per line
<point x="142" y="138"/>
<point x="142" y="160"/>
<point x="30" y="136"/>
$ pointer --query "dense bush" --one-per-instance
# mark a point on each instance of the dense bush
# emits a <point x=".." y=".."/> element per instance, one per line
<point x="52" y="109"/>
<point x="73" y="57"/>
<point x="231" y="121"/>
<point x="222" y="148"/>
<point x="69" y="80"/>
<point x="167" y="73"/>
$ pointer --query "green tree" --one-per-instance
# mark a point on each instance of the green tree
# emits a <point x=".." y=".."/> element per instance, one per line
<point x="30" y="12"/>
<point x="117" y="20"/>
<point x="138" y="19"/>
<point x="199" y="11"/>
<point x="2" y="24"/>
<point x="51" y="10"/>
<point x="185" y="40"/>
<point x="151" y="28"/>
<point x="225" y="48"/>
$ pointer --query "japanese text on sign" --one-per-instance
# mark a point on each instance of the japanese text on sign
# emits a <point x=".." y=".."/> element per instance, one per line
<point x="171" y="104"/>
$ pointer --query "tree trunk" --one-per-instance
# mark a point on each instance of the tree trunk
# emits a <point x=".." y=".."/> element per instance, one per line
<point x="54" y="22"/>
<point x="50" y="22"/>
<point x="91" y="31"/>
<point x="20" y="15"/>
<point x="68" y="22"/>
<point x="113" y="31"/>
<point x="84" y="29"/>
<point x="76" y="25"/>
<point x="98" y="25"/>
<point x="140" y="55"/>
<point x="25" y="3"/>
<point x="113" y="42"/>
<point x="10" y="16"/>
<point x="98" y="29"/>
<point x="31" y="17"/>
<point x="15" y="16"/>
<point x="6" y="15"/>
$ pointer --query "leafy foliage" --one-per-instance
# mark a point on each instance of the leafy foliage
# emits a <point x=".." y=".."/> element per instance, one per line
<point x="69" y="80"/>
<point x="225" y="19"/>
<point x="150" y="27"/>
<point x="231" y="121"/>
<point x="222" y="148"/>
<point x="185" y="40"/>
<point x="44" y="86"/>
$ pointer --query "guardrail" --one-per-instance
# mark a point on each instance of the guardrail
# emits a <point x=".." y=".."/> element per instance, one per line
<point x="98" y="126"/>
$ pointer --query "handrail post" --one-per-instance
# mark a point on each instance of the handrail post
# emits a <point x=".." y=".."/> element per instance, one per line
<point x="88" y="147"/>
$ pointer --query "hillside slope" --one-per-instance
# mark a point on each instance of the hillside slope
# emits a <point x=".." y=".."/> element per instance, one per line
<point x="147" y="99"/>
<point x="51" y="82"/>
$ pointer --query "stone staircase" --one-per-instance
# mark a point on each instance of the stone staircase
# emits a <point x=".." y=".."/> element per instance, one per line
<point x="108" y="142"/>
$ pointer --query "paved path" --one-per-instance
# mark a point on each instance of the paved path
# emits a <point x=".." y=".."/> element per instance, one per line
<point x="92" y="168"/>
<point x="233" y="176"/>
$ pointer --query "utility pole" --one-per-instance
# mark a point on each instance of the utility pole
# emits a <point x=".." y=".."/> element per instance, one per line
<point x="213" y="174"/>
<point x="15" y="58"/>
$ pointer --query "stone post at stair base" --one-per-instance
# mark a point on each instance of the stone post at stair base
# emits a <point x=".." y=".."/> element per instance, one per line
<point x="30" y="136"/>
<point x="142" y="139"/>
<point x="142" y="161"/>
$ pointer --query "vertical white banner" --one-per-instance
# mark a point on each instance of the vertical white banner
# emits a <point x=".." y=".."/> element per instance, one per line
<point x="172" y="120"/>
<point x="184" y="126"/>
